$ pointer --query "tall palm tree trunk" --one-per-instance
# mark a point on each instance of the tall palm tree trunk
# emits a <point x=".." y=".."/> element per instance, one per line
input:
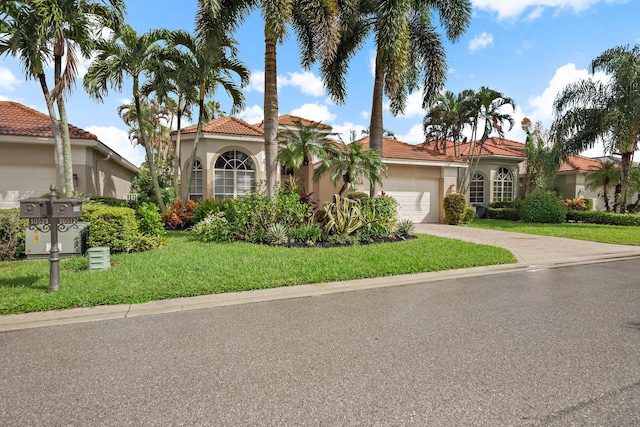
<point x="194" y="149"/>
<point x="176" y="157"/>
<point x="625" y="166"/>
<point x="147" y="147"/>
<point x="64" y="124"/>
<point x="271" y="117"/>
<point x="376" y="127"/>
<point x="66" y="149"/>
<point x="55" y="128"/>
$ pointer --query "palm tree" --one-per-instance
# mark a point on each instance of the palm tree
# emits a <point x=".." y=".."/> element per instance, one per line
<point x="485" y="113"/>
<point x="591" y="111"/>
<point x="301" y="146"/>
<point x="409" y="52"/>
<point x="543" y="157"/>
<point x="446" y="120"/>
<point x="210" y="63"/>
<point x="74" y="26"/>
<point x="350" y="162"/>
<point x="316" y="26"/>
<point x="22" y="38"/>
<point x="127" y="54"/>
<point x="603" y="178"/>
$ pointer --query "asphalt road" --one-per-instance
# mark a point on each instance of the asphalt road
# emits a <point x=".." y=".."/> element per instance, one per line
<point x="545" y="347"/>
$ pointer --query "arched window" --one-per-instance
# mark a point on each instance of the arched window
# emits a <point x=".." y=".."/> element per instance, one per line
<point x="234" y="175"/>
<point x="195" y="185"/>
<point x="476" y="189"/>
<point x="503" y="185"/>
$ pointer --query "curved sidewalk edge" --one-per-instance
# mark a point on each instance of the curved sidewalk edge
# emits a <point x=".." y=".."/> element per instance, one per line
<point x="122" y="311"/>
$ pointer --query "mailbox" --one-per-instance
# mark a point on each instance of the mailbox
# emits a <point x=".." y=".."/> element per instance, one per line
<point x="66" y="208"/>
<point x="34" y="207"/>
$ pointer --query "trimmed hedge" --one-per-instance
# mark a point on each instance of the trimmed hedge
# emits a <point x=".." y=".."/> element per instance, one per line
<point x="543" y="207"/>
<point x="11" y="234"/>
<point x="469" y="214"/>
<point x="608" y="218"/>
<point x="455" y="206"/>
<point x="510" y="214"/>
<point x="113" y="227"/>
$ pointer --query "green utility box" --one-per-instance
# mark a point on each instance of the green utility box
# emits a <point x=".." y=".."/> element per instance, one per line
<point x="99" y="258"/>
<point x="72" y="241"/>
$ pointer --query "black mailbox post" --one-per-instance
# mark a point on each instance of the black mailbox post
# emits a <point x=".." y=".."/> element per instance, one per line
<point x="53" y="215"/>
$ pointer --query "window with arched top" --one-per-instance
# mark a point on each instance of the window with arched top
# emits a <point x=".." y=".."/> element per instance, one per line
<point x="234" y="175"/>
<point x="195" y="185"/>
<point x="503" y="185"/>
<point x="476" y="189"/>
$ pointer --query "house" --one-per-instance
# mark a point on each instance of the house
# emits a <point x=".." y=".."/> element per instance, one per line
<point x="494" y="176"/>
<point x="27" y="163"/>
<point x="230" y="160"/>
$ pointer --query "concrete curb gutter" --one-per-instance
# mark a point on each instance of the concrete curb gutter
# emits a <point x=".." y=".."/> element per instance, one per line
<point x="122" y="311"/>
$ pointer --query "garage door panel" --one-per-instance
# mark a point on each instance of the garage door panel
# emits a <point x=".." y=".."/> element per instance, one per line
<point x="416" y="206"/>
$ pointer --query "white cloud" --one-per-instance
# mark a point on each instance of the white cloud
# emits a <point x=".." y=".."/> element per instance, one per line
<point x="315" y="112"/>
<point x="414" y="105"/>
<point x="480" y="42"/>
<point x="252" y="115"/>
<point x="118" y="140"/>
<point x="306" y="81"/>
<point x="345" y="130"/>
<point x="7" y="80"/>
<point x="365" y="114"/>
<point x="516" y="8"/>
<point x="543" y="104"/>
<point x="414" y="136"/>
<point x="256" y="81"/>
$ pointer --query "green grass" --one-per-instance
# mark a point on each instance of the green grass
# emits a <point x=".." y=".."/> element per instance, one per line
<point x="187" y="268"/>
<point x="617" y="234"/>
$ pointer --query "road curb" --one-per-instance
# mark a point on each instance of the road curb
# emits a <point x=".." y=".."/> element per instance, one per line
<point x="123" y="311"/>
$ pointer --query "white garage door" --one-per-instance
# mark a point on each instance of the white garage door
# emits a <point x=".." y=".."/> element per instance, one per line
<point x="417" y="206"/>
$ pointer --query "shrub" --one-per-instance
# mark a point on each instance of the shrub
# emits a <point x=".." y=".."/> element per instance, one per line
<point x="11" y="234"/>
<point x="455" y="205"/>
<point x="180" y="216"/>
<point x="578" y="204"/>
<point x="543" y="207"/>
<point x="255" y="213"/>
<point x="359" y="196"/>
<point x="213" y="228"/>
<point x="277" y="234"/>
<point x="343" y="216"/>
<point x="509" y="214"/>
<point x="609" y="218"/>
<point x="150" y="220"/>
<point x="206" y="207"/>
<point x="469" y="214"/>
<point x="112" y="227"/>
<point x="382" y="209"/>
<point x="308" y="234"/>
<point x="404" y="228"/>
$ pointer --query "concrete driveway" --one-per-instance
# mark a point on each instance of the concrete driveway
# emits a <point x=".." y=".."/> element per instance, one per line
<point x="531" y="249"/>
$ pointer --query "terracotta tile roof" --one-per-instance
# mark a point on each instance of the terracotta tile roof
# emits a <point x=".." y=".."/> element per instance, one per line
<point x="393" y="149"/>
<point x="289" y="120"/>
<point x="19" y="120"/>
<point x="492" y="147"/>
<point x="579" y="163"/>
<point x="226" y="125"/>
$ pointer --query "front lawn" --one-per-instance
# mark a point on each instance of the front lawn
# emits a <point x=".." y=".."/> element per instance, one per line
<point x="621" y="235"/>
<point x="186" y="267"/>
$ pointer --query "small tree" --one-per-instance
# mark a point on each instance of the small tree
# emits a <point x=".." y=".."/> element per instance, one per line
<point x="607" y="176"/>
<point x="350" y="162"/>
<point x="543" y="158"/>
<point x="455" y="208"/>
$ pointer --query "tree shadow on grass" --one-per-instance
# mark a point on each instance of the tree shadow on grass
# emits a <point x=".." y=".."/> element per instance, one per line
<point x="29" y="281"/>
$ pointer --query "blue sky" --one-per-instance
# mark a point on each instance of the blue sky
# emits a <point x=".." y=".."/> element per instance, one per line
<point x="528" y="49"/>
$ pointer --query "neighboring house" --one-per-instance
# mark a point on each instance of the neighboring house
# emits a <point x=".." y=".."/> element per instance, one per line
<point x="494" y="177"/>
<point x="27" y="163"/>
<point x="230" y="161"/>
